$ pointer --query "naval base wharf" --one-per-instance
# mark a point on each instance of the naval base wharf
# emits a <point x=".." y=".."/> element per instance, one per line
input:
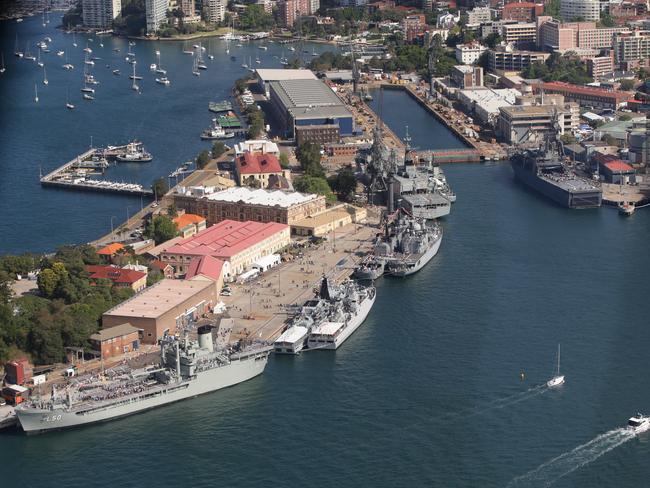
<point x="75" y="174"/>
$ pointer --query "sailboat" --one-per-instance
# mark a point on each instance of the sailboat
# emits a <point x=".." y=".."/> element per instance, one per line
<point x="159" y="69"/>
<point x="45" y="81"/>
<point x="35" y="93"/>
<point x="558" y="379"/>
<point x="44" y="18"/>
<point x="74" y="42"/>
<point x="39" y="62"/>
<point x="200" y="64"/>
<point x="210" y="55"/>
<point x="134" y="86"/>
<point x="257" y="59"/>
<point x="250" y="64"/>
<point x="29" y="55"/>
<point x="2" y="68"/>
<point x="18" y="53"/>
<point x="67" y="65"/>
<point x="68" y="105"/>
<point x="195" y="69"/>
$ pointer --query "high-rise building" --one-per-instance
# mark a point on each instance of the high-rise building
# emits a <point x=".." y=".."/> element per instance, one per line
<point x="585" y="10"/>
<point x="156" y="14"/>
<point x="290" y="10"/>
<point x="478" y="16"/>
<point x="99" y="14"/>
<point x="314" y="5"/>
<point x="585" y="35"/>
<point x="216" y="10"/>
<point x="631" y="46"/>
<point x="520" y="33"/>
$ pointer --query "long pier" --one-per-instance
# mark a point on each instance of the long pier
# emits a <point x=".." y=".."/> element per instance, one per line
<point x="74" y="175"/>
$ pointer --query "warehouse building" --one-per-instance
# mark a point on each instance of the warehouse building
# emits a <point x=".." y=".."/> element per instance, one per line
<point x="115" y="341"/>
<point x="303" y="103"/>
<point x="244" y="204"/>
<point x="237" y="244"/>
<point x="164" y="308"/>
<point x="266" y="76"/>
<point x="328" y="220"/>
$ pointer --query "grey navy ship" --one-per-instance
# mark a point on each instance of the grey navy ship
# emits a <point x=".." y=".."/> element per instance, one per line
<point x="407" y="246"/>
<point x="329" y="319"/>
<point x="544" y="170"/>
<point x="187" y="368"/>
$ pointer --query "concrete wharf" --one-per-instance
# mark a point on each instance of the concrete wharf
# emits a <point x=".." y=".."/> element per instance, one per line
<point x="74" y="175"/>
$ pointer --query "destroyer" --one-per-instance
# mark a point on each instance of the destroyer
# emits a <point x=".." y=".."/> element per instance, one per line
<point x="187" y="369"/>
<point x="544" y="170"/>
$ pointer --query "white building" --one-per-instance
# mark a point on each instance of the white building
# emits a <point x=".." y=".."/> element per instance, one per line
<point x="99" y="14"/>
<point x="469" y="53"/>
<point x="156" y="11"/>
<point x="485" y="103"/>
<point x="257" y="146"/>
<point x="585" y="10"/>
<point x="447" y="20"/>
<point x="314" y="5"/>
<point x="478" y="16"/>
<point x="216" y="10"/>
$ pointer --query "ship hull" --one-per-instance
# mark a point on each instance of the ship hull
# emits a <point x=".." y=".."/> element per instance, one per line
<point x="561" y="196"/>
<point x="34" y="420"/>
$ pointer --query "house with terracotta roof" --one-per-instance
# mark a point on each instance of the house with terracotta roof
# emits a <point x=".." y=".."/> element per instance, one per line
<point x="255" y="169"/>
<point x="166" y="269"/>
<point x="108" y="252"/>
<point x="237" y="244"/>
<point x="121" y="277"/>
<point x="206" y="268"/>
<point x="189" y="224"/>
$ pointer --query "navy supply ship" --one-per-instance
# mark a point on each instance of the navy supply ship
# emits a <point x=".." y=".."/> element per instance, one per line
<point x="544" y="171"/>
<point x="187" y="369"/>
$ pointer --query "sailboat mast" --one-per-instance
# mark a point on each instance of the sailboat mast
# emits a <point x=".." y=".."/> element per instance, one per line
<point x="558" y="359"/>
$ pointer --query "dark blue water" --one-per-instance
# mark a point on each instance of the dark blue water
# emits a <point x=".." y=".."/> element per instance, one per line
<point x="418" y="396"/>
<point x="400" y="111"/>
<point x="44" y="135"/>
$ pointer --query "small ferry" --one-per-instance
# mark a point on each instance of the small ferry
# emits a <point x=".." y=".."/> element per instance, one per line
<point x="215" y="132"/>
<point x="134" y="153"/>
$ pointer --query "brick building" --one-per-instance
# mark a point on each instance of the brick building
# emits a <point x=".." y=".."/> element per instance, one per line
<point x="164" y="308"/>
<point x="237" y="244"/>
<point x="244" y="204"/>
<point x="320" y="134"/>
<point x="587" y="95"/>
<point x="254" y="169"/>
<point x="120" y="277"/>
<point x="522" y="11"/>
<point x="116" y="340"/>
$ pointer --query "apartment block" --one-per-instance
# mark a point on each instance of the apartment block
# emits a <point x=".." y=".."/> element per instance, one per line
<point x="155" y="11"/>
<point x="505" y="59"/>
<point x="631" y="46"/>
<point x="588" y="10"/>
<point x="99" y="14"/>
<point x="520" y="34"/>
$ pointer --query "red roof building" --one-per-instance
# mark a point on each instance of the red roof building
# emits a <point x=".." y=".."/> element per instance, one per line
<point x="617" y="171"/>
<point x="206" y="267"/>
<point x="189" y="224"/>
<point x="238" y="244"/>
<point x="587" y="95"/>
<point x="255" y="169"/>
<point x="166" y="269"/>
<point x="136" y="280"/>
<point x="522" y="11"/>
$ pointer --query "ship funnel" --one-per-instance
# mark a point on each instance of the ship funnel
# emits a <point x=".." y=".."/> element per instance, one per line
<point x="205" y="337"/>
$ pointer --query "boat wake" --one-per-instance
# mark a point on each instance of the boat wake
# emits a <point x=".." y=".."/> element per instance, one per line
<point x="551" y="471"/>
<point x="504" y="402"/>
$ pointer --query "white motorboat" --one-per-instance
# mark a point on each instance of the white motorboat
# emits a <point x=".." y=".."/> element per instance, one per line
<point x="163" y="81"/>
<point x="60" y="53"/>
<point x="558" y="379"/>
<point x="639" y="423"/>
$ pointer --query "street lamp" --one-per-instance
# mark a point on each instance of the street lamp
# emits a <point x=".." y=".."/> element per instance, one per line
<point x="112" y="217"/>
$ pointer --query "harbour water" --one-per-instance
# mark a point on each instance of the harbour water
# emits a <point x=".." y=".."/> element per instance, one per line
<point x="428" y="391"/>
<point x="44" y="135"/>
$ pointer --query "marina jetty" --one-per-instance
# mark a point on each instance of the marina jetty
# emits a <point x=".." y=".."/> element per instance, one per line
<point x="77" y="173"/>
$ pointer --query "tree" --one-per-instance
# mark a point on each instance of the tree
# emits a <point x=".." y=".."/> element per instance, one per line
<point x="568" y="138"/>
<point x="255" y="18"/>
<point x="284" y="160"/>
<point x="218" y="149"/>
<point x="344" y="183"/>
<point x="313" y="184"/>
<point x="309" y="156"/>
<point x="493" y="40"/>
<point x="552" y="8"/>
<point x="606" y="20"/>
<point x="610" y="140"/>
<point x="161" y="228"/>
<point x="627" y="85"/>
<point x="47" y="281"/>
<point x="202" y="159"/>
<point x="160" y="187"/>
